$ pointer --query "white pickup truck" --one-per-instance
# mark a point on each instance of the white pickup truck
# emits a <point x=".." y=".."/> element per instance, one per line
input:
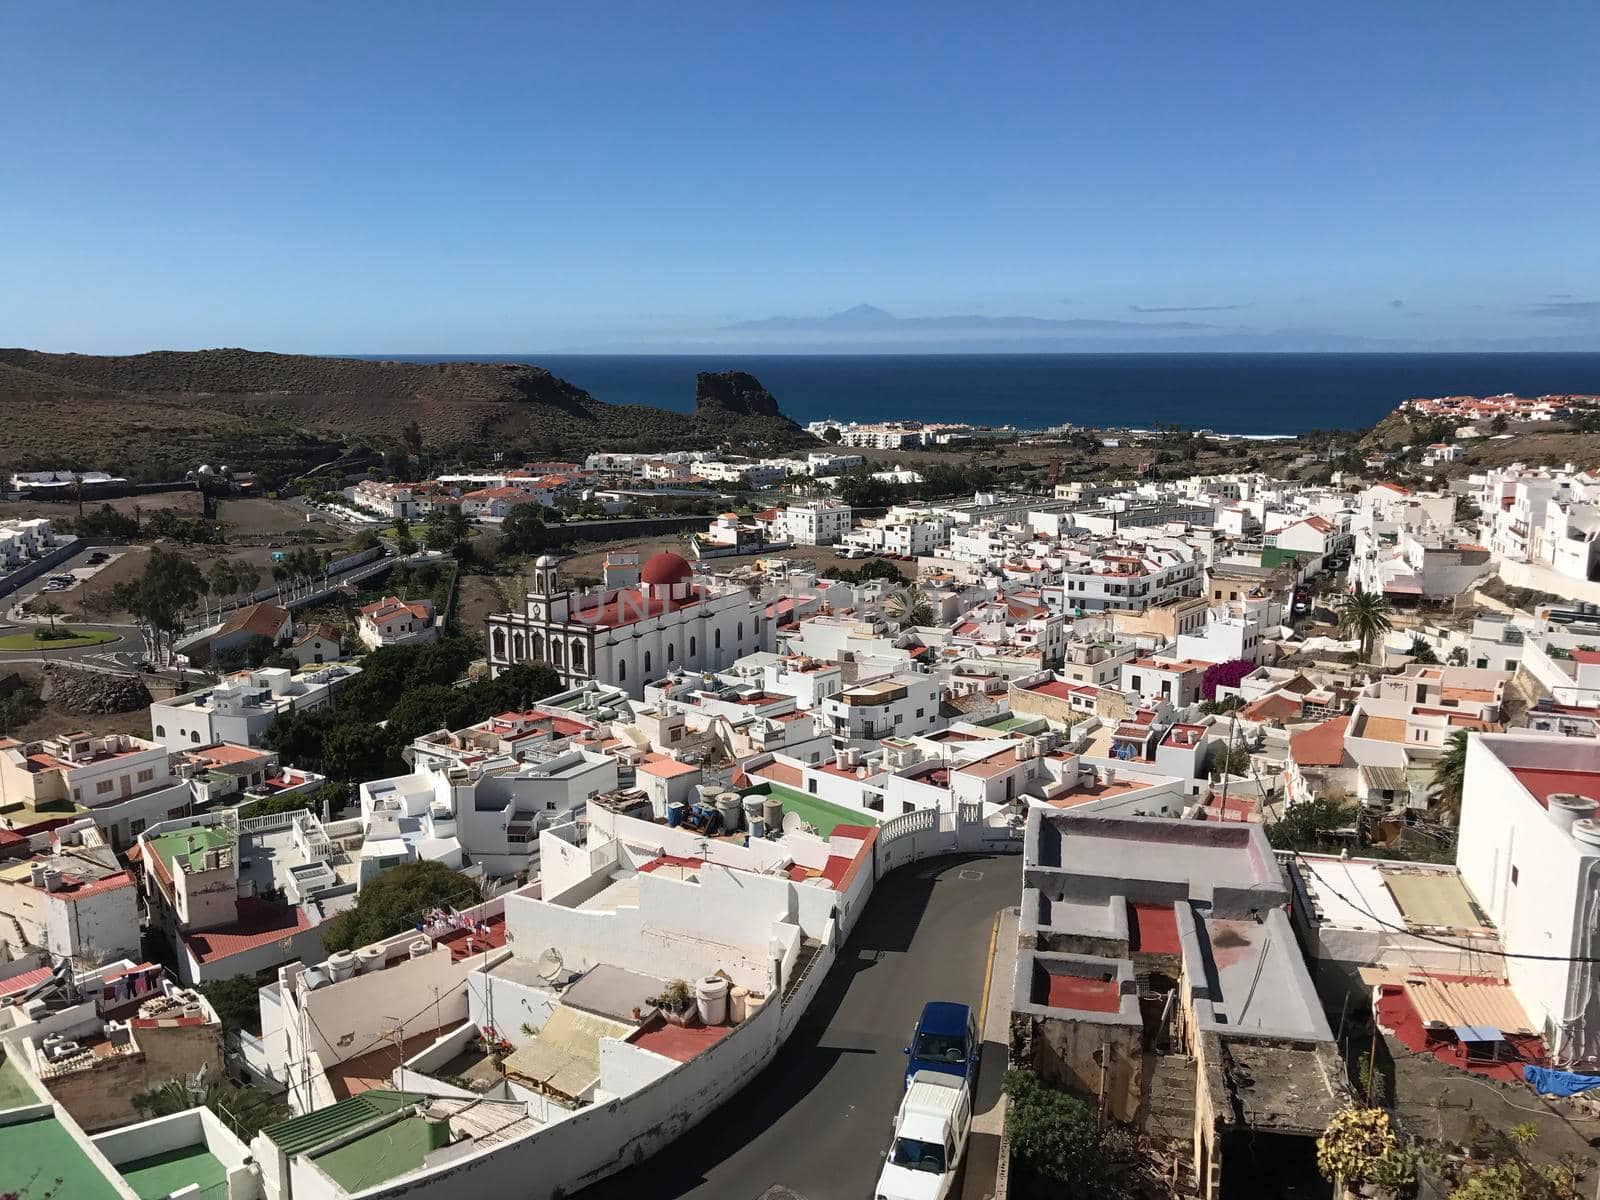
<point x="930" y="1138"/>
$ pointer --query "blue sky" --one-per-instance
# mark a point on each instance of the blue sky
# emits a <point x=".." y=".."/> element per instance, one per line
<point x="503" y="178"/>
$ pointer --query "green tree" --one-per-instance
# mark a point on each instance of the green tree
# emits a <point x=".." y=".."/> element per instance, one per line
<point x="403" y="541"/>
<point x="1054" y="1134"/>
<point x="221" y="580"/>
<point x="395" y="900"/>
<point x="238" y="1000"/>
<point x="355" y="749"/>
<point x="1420" y="651"/>
<point x="1499" y="423"/>
<point x="1365" y="617"/>
<point x="246" y="578"/>
<point x="246" y="1110"/>
<point x="524" y="531"/>
<point x="1309" y="825"/>
<point x="1450" y="774"/>
<point x="50" y="610"/>
<point x="157" y="599"/>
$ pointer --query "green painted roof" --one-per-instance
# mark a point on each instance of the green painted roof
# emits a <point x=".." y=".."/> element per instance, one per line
<point x="159" y="1175"/>
<point x="14" y="1090"/>
<point x="307" y="1132"/>
<point x="40" y="1160"/>
<point x="384" y="1153"/>
<point x="190" y="841"/>
<point x="823" y="815"/>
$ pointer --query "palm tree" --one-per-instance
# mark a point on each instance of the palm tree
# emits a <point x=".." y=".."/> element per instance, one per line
<point x="51" y="610"/>
<point x="1364" y="615"/>
<point x="908" y="606"/>
<point x="1450" y="773"/>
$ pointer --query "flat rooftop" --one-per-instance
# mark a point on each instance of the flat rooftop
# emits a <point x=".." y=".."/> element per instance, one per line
<point x="1375" y="896"/>
<point x="1262" y="979"/>
<point x="42" y="1161"/>
<point x="159" y="1175"/>
<point x="1150" y="848"/>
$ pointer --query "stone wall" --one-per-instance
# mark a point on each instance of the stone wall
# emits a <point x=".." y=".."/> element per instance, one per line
<point x="94" y="692"/>
<point x="101" y="1096"/>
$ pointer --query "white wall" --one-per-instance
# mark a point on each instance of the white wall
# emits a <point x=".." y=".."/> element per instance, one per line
<point x="1503" y="830"/>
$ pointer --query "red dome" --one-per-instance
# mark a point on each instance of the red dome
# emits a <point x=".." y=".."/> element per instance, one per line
<point x="665" y="569"/>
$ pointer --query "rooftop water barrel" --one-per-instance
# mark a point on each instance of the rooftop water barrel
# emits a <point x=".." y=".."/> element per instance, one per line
<point x="711" y="998"/>
<point x="758" y="828"/>
<point x="730" y="808"/>
<point x="1587" y="832"/>
<point x="369" y="958"/>
<point x="737" y="998"/>
<point x="1566" y="808"/>
<point x="772" y="813"/>
<point x="421" y="948"/>
<point x="675" y="814"/>
<point x="342" y="965"/>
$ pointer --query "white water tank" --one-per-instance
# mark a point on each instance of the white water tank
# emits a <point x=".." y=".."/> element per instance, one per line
<point x="729" y="808"/>
<point x="711" y="998"/>
<point x="772" y="813"/>
<point x="1569" y="807"/>
<point x="421" y="948"/>
<point x="1586" y="832"/>
<point x="341" y="965"/>
<point x="369" y="958"/>
<point x="738" y="998"/>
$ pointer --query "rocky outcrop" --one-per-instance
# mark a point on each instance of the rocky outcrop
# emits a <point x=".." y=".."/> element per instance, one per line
<point x="93" y="692"/>
<point x="732" y="392"/>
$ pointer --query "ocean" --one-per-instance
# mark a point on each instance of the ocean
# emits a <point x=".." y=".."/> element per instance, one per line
<point x="1230" y="393"/>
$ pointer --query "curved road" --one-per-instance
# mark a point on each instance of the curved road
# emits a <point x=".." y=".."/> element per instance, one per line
<point x="815" y="1124"/>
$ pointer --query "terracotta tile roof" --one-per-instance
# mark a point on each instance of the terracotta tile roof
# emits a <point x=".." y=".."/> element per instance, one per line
<point x="1322" y="746"/>
<point x="258" y="924"/>
<point x="259" y="620"/>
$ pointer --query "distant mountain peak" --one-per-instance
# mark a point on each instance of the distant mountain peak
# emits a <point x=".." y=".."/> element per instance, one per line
<point x="863" y="314"/>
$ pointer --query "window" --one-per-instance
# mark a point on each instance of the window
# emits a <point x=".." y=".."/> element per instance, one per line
<point x="741" y="631"/>
<point x="716" y="639"/>
<point x="136" y="827"/>
<point x="161" y="730"/>
<point x="672" y="652"/>
<point x="919" y="712"/>
<point x="104" y="786"/>
<point x="147" y="775"/>
<point x="622" y="670"/>
<point x="194" y="736"/>
<point x="1513" y="876"/>
<point x="499" y="651"/>
<point x="577" y="656"/>
<point x="811" y="786"/>
<point x="693" y="647"/>
<point x="647" y="662"/>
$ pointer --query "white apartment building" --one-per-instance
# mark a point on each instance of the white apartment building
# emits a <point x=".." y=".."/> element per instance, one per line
<point x="903" y="533"/>
<point x="1131" y="578"/>
<point x="124" y="782"/>
<point x="814" y="523"/>
<point x="627" y="637"/>
<point x="389" y="500"/>
<point x="64" y="892"/>
<point x="242" y="706"/>
<point x="902" y="705"/>
<point x="490" y="812"/>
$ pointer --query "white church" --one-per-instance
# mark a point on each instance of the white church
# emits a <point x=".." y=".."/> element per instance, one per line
<point x="629" y="636"/>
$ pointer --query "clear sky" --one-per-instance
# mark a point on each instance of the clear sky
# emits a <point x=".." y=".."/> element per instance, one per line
<point x="499" y="178"/>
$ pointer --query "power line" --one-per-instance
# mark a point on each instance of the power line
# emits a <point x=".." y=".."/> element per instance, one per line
<point x="1425" y="937"/>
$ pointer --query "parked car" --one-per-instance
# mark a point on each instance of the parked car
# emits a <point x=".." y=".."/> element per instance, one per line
<point x="930" y="1139"/>
<point x="945" y="1040"/>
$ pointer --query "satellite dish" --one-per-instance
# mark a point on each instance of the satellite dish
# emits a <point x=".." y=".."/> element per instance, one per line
<point x="550" y="965"/>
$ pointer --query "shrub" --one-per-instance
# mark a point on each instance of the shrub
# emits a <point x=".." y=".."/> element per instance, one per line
<point x="1053" y="1133"/>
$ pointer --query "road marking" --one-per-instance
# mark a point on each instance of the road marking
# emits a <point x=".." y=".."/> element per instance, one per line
<point x="969" y="873"/>
<point x="988" y="973"/>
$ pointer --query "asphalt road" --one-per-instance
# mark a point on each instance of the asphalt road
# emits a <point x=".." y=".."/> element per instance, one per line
<point x="815" y="1124"/>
